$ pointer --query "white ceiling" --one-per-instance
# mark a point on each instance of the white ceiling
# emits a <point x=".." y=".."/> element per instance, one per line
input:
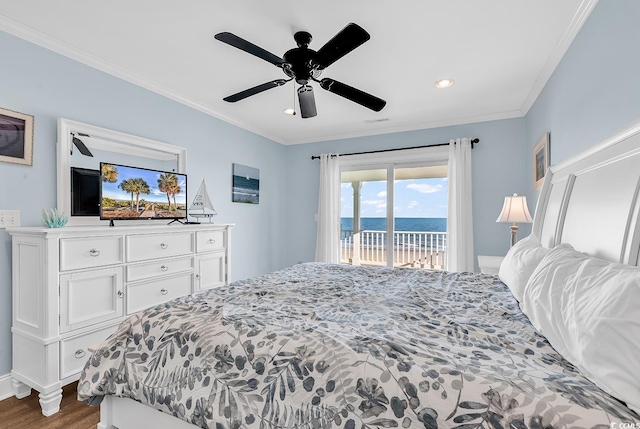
<point x="499" y="52"/>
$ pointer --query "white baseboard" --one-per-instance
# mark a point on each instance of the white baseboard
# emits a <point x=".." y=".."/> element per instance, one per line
<point x="6" y="390"/>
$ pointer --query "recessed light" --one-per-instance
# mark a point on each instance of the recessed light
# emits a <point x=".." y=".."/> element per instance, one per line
<point x="444" y="83"/>
<point x="289" y="111"/>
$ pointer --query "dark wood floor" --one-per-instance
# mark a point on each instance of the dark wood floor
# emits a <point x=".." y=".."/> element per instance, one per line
<point x="25" y="413"/>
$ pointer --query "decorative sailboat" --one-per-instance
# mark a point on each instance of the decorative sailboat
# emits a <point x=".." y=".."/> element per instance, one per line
<point x="202" y="206"/>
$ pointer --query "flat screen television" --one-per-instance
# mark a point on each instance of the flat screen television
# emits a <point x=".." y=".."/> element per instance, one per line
<point x="85" y="192"/>
<point x="130" y="193"/>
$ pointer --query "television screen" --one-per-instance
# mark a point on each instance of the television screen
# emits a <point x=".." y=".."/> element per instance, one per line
<point x="139" y="193"/>
<point x="85" y="192"/>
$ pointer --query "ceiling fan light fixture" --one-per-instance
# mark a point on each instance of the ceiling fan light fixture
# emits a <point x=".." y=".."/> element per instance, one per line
<point x="307" y="102"/>
<point x="290" y="111"/>
<point x="444" y="83"/>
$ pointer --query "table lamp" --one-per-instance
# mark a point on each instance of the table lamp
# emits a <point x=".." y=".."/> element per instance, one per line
<point x="514" y="210"/>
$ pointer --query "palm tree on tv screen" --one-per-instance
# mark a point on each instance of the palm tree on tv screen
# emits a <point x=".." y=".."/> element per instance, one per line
<point x="139" y="186"/>
<point x="128" y="186"/>
<point x="168" y="183"/>
<point x="175" y="189"/>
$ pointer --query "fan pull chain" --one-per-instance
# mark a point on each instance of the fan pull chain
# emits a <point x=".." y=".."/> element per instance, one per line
<point x="294" y="99"/>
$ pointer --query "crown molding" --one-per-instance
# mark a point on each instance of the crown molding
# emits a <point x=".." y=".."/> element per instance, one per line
<point x="582" y="14"/>
<point x="34" y="36"/>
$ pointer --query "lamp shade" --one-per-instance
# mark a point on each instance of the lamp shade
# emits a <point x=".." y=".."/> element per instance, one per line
<point x="515" y="210"/>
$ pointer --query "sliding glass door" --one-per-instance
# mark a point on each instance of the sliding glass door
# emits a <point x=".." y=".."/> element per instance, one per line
<point x="420" y="217"/>
<point x="394" y="215"/>
<point x="363" y="216"/>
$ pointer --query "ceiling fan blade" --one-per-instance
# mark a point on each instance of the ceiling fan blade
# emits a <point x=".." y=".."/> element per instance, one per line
<point x="367" y="100"/>
<point x="81" y="146"/>
<point x="240" y="43"/>
<point x="342" y="43"/>
<point x="307" y="102"/>
<point x="255" y="90"/>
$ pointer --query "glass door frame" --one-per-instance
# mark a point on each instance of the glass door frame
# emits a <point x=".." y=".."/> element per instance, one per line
<point x="389" y="161"/>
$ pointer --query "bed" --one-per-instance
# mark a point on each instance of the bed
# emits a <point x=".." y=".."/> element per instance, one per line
<point x="322" y="345"/>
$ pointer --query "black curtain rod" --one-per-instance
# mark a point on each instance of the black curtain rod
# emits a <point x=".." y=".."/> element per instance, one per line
<point x="473" y="141"/>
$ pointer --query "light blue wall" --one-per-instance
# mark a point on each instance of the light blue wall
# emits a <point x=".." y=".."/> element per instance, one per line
<point x="497" y="172"/>
<point x="47" y="85"/>
<point x="595" y="90"/>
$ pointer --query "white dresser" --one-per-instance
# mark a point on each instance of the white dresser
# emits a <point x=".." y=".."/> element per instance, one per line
<point x="72" y="286"/>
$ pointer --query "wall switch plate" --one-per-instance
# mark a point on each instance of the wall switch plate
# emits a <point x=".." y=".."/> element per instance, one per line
<point x="9" y="218"/>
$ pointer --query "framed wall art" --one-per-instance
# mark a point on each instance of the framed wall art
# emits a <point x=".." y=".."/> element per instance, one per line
<point x="540" y="161"/>
<point x="246" y="184"/>
<point x="16" y="137"/>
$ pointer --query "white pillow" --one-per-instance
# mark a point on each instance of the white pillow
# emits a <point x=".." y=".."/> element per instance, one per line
<point x="588" y="309"/>
<point x="519" y="263"/>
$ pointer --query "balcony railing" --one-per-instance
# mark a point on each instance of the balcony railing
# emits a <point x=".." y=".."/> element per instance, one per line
<point x="423" y="249"/>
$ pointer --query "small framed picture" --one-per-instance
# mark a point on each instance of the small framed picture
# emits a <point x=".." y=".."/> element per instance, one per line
<point x="540" y="161"/>
<point x="16" y="137"/>
<point x="246" y="184"/>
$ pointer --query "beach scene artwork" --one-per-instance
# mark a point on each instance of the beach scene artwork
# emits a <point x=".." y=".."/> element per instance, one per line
<point x="131" y="193"/>
<point x="246" y="184"/>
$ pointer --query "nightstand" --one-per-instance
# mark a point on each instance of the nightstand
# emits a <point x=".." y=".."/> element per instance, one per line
<point x="490" y="264"/>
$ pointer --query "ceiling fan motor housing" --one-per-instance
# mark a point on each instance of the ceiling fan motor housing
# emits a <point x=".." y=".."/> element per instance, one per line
<point x="302" y="38"/>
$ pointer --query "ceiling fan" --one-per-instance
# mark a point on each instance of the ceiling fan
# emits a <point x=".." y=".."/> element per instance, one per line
<point x="305" y="65"/>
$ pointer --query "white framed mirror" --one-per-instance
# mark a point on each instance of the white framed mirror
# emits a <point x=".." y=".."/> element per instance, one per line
<point x="80" y="149"/>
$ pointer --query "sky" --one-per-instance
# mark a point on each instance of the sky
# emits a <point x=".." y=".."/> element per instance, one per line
<point x="111" y="190"/>
<point x="421" y="198"/>
<point x="244" y="171"/>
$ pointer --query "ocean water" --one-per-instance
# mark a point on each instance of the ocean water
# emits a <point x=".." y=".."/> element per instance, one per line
<point x="402" y="224"/>
<point x="408" y="224"/>
<point x="246" y="190"/>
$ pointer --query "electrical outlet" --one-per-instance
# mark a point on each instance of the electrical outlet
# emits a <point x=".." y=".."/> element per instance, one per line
<point x="9" y="218"/>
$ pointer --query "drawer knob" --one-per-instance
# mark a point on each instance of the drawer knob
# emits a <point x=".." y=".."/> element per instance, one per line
<point x="164" y="268"/>
<point x="212" y="241"/>
<point x="94" y="252"/>
<point x="197" y="276"/>
<point x="80" y="353"/>
<point x="163" y="245"/>
<point x="163" y="291"/>
<point x="120" y="294"/>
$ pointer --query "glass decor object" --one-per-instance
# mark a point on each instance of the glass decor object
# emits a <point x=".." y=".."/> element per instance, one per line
<point x="54" y="219"/>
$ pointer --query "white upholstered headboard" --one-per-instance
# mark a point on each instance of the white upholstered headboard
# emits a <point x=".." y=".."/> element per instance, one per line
<point x="591" y="201"/>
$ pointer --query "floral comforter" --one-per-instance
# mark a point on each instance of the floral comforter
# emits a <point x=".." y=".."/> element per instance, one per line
<point x="320" y="345"/>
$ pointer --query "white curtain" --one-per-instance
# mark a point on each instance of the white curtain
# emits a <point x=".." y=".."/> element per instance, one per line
<point x="460" y="217"/>
<point x="328" y="236"/>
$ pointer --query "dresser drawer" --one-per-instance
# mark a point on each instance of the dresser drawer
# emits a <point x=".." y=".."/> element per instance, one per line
<point x="78" y="253"/>
<point x="154" y="246"/>
<point x="147" y="294"/>
<point x="74" y="351"/>
<point x="210" y="240"/>
<point x="147" y="270"/>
